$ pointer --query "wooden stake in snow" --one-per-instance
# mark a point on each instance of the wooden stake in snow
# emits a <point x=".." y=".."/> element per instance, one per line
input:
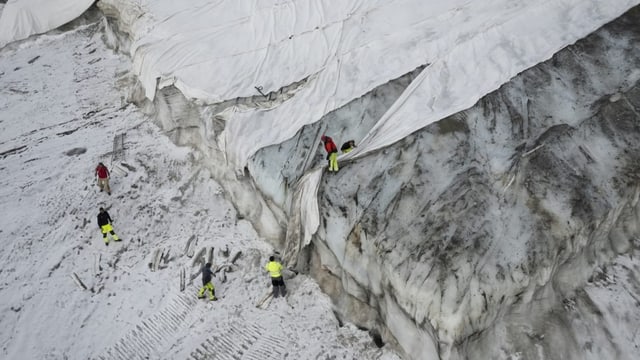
<point x="196" y="265"/>
<point x="182" y="279"/>
<point x="157" y="257"/>
<point x="78" y="282"/>
<point x="210" y="255"/>
<point x="264" y="302"/>
<point x="118" y="148"/>
<point x="198" y="258"/>
<point x="96" y="263"/>
<point x="223" y="274"/>
<point x="165" y="256"/>
<point x="191" y="244"/>
<point x="235" y="257"/>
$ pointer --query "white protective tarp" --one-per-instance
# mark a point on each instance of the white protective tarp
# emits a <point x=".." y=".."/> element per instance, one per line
<point x="480" y="65"/>
<point x="221" y="50"/>
<point x="23" y="18"/>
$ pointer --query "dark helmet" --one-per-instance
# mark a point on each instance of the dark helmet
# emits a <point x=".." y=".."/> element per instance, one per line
<point x="272" y="258"/>
<point x="207" y="265"/>
<point x="101" y="209"/>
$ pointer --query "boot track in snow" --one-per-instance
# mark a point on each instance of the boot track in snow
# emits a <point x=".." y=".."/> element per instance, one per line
<point x="148" y="337"/>
<point x="241" y="341"/>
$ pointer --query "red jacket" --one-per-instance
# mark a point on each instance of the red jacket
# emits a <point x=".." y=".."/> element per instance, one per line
<point x="329" y="145"/>
<point x="102" y="172"/>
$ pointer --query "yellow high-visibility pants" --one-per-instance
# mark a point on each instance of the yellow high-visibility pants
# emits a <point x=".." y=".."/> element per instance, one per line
<point x="333" y="161"/>
<point x="108" y="229"/>
<point x="208" y="286"/>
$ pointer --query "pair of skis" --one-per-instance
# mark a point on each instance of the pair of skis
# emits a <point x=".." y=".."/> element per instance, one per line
<point x="264" y="302"/>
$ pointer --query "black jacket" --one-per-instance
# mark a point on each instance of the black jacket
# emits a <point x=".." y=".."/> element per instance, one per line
<point x="104" y="218"/>
<point x="206" y="275"/>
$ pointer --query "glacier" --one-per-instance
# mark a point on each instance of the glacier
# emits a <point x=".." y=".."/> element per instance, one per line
<point x="491" y="207"/>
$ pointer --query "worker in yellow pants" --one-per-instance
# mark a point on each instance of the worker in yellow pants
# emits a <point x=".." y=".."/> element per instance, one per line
<point x="332" y="152"/>
<point x="104" y="222"/>
<point x="348" y="146"/>
<point x="333" y="161"/>
<point x="207" y="274"/>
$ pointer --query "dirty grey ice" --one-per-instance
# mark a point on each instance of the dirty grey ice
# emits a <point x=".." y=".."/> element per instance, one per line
<point x="514" y="223"/>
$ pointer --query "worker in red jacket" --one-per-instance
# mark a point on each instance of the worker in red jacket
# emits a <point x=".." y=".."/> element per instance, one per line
<point x="332" y="152"/>
<point x="102" y="173"/>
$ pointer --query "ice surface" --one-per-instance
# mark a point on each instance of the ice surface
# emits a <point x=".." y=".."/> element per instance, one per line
<point x="507" y="207"/>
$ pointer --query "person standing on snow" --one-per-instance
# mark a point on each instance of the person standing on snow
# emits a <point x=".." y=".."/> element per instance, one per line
<point x="104" y="223"/>
<point x="275" y="271"/>
<point x="207" y="274"/>
<point x="102" y="174"/>
<point x="332" y="152"/>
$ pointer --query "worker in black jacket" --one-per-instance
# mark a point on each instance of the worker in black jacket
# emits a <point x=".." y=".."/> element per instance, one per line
<point x="207" y="274"/>
<point x="348" y="146"/>
<point x="104" y="223"/>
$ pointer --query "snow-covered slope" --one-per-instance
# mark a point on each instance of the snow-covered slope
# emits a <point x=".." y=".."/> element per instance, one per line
<point x="62" y="110"/>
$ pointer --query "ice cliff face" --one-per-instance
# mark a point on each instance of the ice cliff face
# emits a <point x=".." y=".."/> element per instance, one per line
<point x="480" y="229"/>
<point x="488" y="234"/>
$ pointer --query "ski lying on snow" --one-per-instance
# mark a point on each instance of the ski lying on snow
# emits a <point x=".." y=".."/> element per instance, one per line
<point x="265" y="301"/>
<point x="96" y="263"/>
